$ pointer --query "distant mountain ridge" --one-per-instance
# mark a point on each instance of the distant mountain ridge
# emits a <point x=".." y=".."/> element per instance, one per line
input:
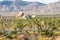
<point x="50" y="9"/>
<point x="19" y="5"/>
<point x="36" y="8"/>
<point x="6" y="2"/>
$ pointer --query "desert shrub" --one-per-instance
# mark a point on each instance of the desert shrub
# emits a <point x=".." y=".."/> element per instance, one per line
<point x="14" y="32"/>
<point x="10" y="37"/>
<point x="1" y="33"/>
<point x="54" y="28"/>
<point x="48" y="33"/>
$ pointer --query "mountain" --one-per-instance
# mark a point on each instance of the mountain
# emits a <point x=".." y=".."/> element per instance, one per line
<point x="36" y="8"/>
<point x="18" y="5"/>
<point x="50" y="9"/>
<point x="6" y="2"/>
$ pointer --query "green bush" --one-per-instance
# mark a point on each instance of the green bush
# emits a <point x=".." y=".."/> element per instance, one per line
<point x="49" y="33"/>
<point x="1" y="33"/>
<point x="9" y="37"/>
<point x="14" y="32"/>
<point x="54" y="28"/>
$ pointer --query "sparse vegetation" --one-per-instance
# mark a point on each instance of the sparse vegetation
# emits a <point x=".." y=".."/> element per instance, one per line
<point x="43" y="26"/>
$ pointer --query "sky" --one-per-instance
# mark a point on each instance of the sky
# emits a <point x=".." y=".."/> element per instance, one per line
<point x="7" y="0"/>
<point x="42" y="1"/>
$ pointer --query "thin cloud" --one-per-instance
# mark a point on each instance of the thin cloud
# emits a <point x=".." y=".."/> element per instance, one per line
<point x="43" y="1"/>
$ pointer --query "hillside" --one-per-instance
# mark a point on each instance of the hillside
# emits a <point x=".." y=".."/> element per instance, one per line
<point x="50" y="9"/>
<point x="30" y="8"/>
<point x="19" y="5"/>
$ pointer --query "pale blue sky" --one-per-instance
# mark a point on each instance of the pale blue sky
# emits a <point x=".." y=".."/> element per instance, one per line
<point x="44" y="1"/>
<point x="8" y="0"/>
